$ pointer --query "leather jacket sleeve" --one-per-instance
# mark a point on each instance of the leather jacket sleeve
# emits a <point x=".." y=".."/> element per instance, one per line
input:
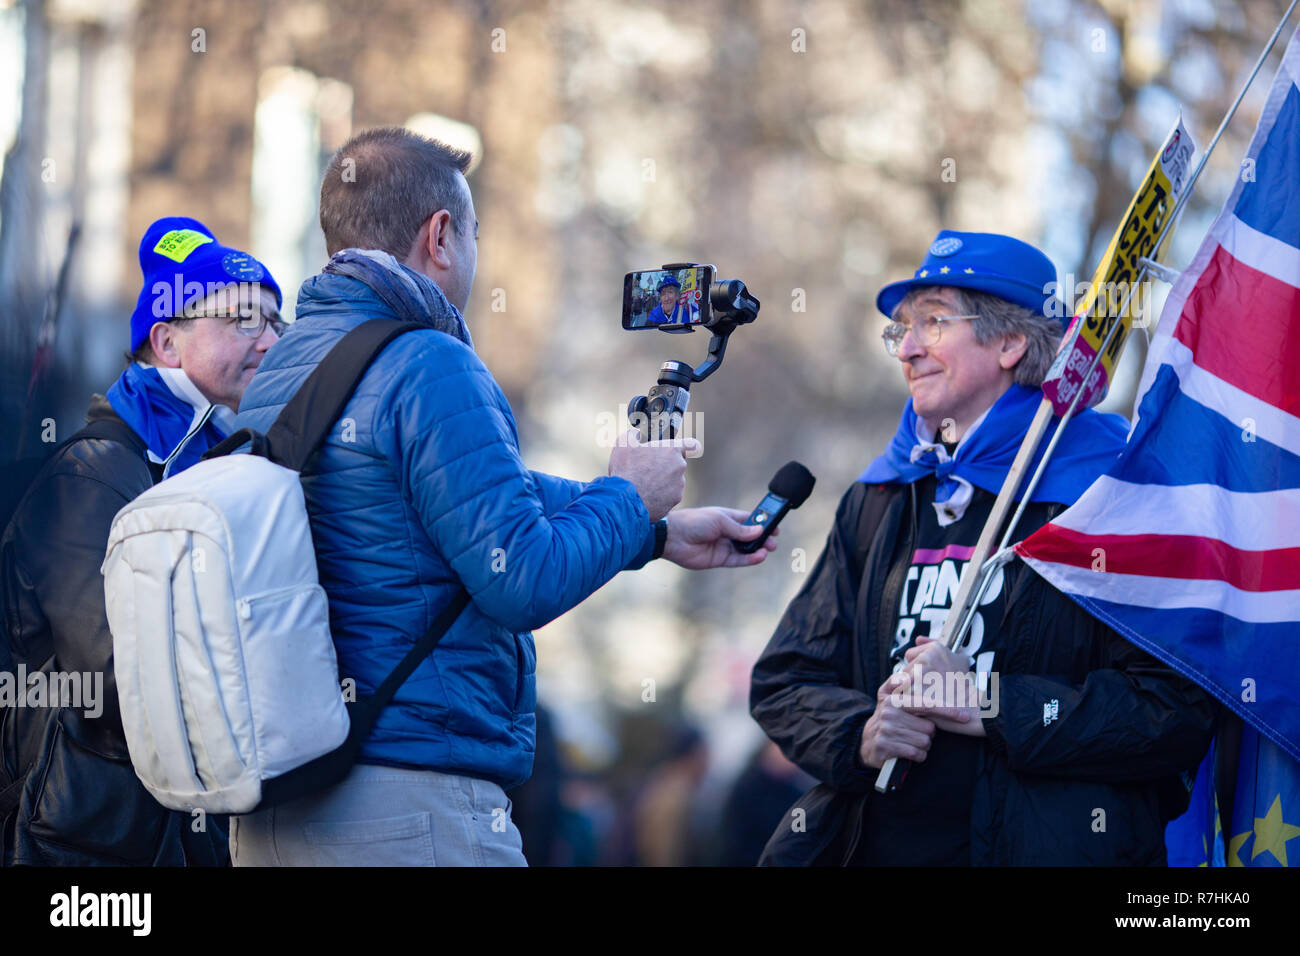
<point x="54" y="548"/>
<point x="802" y="692"/>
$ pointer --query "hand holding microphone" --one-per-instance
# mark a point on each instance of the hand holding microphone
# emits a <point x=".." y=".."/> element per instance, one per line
<point x="787" y="490"/>
<point x="700" y="538"/>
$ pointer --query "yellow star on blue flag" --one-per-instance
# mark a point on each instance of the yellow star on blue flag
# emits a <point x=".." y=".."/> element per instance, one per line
<point x="1265" y="800"/>
<point x="1265" y="805"/>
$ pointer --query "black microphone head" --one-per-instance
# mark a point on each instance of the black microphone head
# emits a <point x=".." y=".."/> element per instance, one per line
<point x="793" y="482"/>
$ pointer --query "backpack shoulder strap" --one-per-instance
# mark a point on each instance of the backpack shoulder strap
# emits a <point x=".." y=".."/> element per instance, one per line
<point x="875" y="503"/>
<point x="367" y="709"/>
<point x="111" y="429"/>
<point x="308" y="417"/>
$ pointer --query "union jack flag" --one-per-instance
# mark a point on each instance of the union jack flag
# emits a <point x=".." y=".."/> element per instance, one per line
<point x="1190" y="545"/>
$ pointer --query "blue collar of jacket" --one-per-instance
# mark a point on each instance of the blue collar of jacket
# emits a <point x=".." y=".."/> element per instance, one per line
<point x="167" y="410"/>
<point x="1090" y="445"/>
<point x="387" y="287"/>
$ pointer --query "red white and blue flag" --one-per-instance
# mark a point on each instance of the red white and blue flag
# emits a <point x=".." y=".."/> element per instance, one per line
<point x="1190" y="545"/>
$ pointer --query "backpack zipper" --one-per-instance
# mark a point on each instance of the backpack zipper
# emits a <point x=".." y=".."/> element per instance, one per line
<point x="244" y="605"/>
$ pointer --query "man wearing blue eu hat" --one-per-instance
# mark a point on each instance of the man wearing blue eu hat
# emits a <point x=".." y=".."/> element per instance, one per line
<point x="671" y="310"/>
<point x="205" y="316"/>
<point x="1075" y="757"/>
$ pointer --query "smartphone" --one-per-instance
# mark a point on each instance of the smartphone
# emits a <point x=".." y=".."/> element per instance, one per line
<point x="672" y="300"/>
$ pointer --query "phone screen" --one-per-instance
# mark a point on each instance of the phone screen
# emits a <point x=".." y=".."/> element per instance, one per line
<point x="667" y="299"/>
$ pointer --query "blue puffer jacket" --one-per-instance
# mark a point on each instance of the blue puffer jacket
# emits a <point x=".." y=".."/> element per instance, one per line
<point x="419" y="487"/>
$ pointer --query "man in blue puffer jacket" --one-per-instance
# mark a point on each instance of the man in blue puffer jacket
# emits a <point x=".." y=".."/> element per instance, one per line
<point x="420" y="489"/>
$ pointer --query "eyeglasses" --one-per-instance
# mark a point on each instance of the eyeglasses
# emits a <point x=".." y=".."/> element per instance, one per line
<point x="926" y="331"/>
<point x="250" y="325"/>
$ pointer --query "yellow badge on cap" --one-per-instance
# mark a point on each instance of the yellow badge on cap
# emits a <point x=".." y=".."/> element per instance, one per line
<point x="179" y="243"/>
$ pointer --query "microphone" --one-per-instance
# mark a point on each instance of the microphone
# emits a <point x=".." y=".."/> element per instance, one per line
<point x="788" y="489"/>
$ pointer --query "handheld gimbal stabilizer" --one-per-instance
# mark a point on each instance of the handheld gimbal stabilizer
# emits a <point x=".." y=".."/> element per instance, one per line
<point x="660" y="412"/>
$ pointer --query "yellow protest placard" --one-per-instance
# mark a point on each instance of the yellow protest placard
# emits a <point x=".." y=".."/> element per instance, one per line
<point x="1115" y="293"/>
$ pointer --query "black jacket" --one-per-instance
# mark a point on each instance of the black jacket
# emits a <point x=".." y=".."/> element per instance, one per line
<point x="79" y="802"/>
<point x="1126" y="725"/>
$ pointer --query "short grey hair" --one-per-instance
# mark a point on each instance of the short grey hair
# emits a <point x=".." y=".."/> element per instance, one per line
<point x="998" y="317"/>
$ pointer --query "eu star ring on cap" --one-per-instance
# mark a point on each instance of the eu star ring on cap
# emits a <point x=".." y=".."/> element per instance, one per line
<point x="181" y="261"/>
<point x="984" y="262"/>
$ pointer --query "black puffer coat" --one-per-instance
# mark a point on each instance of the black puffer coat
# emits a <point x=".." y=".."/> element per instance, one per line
<point x="1126" y="726"/>
<point x="68" y="793"/>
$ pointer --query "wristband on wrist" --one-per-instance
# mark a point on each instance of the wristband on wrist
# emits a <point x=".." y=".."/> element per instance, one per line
<point x="661" y="537"/>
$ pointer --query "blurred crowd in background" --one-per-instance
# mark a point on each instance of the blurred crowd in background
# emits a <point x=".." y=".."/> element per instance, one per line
<point x="657" y="805"/>
<point x="811" y="149"/>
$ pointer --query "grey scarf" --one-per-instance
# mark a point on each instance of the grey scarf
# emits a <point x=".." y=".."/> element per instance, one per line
<point x="412" y="297"/>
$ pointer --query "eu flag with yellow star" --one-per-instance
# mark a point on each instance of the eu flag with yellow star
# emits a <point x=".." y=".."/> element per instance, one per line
<point x="1265" y="806"/>
<point x="1250" y="784"/>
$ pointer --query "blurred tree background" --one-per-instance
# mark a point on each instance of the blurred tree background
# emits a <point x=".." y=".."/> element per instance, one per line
<point x="812" y="149"/>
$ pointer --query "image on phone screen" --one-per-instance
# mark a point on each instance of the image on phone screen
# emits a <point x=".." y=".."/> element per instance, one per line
<point x="666" y="297"/>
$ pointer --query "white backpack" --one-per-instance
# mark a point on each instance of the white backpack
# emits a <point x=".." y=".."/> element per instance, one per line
<point x="226" y="673"/>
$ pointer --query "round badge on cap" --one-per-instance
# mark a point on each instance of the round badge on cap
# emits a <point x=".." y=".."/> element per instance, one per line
<point x="241" y="266"/>
<point x="945" y="246"/>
